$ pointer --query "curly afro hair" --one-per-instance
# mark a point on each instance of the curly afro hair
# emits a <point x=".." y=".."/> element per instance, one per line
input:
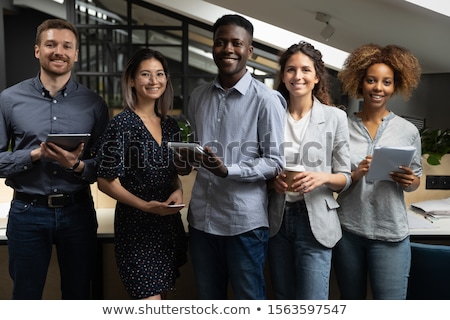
<point x="405" y="65"/>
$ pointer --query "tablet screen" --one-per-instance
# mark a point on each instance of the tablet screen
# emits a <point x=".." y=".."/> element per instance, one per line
<point x="68" y="141"/>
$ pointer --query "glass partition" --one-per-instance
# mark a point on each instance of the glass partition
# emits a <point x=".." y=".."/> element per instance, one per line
<point x="111" y="30"/>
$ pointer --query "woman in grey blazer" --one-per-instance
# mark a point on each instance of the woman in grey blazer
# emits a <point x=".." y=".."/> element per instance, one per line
<point x="304" y="224"/>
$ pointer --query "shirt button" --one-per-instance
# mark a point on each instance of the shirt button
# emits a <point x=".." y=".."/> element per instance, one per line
<point x="54" y="118"/>
<point x="25" y="167"/>
<point x="55" y="190"/>
<point x="54" y="101"/>
<point x="55" y="172"/>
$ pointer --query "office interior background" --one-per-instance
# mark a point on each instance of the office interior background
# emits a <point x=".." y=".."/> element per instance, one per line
<point x="111" y="30"/>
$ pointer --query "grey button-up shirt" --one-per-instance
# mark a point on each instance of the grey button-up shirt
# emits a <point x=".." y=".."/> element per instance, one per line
<point x="28" y="114"/>
<point x="245" y="127"/>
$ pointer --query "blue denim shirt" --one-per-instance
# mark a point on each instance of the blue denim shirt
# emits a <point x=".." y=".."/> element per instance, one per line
<point x="28" y="114"/>
<point x="245" y="127"/>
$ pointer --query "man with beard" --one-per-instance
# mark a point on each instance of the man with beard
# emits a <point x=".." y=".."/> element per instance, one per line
<point x="52" y="203"/>
<point x="240" y="123"/>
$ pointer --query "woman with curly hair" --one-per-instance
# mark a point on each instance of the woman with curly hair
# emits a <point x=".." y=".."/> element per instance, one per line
<point x="304" y="222"/>
<point x="375" y="243"/>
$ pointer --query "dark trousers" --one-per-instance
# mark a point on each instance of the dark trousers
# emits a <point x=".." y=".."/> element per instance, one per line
<point x="33" y="230"/>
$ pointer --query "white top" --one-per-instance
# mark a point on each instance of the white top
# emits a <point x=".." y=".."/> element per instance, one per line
<point x="294" y="133"/>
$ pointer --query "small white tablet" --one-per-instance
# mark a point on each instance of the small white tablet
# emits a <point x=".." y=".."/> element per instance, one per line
<point x="176" y="146"/>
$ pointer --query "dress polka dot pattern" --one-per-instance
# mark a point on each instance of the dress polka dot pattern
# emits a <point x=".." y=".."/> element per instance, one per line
<point x="149" y="248"/>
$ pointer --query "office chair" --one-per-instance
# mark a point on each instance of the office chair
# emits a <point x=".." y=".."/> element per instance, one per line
<point x="429" y="277"/>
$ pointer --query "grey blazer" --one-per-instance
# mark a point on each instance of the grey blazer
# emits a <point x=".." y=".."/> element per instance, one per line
<point x="325" y="148"/>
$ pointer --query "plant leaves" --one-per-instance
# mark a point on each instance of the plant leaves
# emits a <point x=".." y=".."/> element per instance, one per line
<point x="434" y="159"/>
<point x="435" y="143"/>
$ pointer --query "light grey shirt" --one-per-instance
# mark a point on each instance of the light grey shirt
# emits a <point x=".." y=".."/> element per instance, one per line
<point x="245" y="127"/>
<point x="376" y="210"/>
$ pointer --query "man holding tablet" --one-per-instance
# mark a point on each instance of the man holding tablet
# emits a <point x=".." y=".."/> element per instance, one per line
<point x="52" y="202"/>
<point x="239" y="122"/>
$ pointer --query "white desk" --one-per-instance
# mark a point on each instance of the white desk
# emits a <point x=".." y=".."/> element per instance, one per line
<point x="439" y="228"/>
<point x="105" y="231"/>
<point x="105" y="217"/>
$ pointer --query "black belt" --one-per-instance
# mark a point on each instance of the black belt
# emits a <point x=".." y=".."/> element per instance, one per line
<point x="56" y="200"/>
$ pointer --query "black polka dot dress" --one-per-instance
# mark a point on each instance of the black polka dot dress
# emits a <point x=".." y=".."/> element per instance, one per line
<point x="149" y="248"/>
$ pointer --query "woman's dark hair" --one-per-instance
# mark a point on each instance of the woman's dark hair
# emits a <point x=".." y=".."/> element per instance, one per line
<point x="163" y="103"/>
<point x="320" y="90"/>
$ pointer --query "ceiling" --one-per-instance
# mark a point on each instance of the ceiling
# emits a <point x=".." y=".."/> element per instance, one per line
<point x="357" y="22"/>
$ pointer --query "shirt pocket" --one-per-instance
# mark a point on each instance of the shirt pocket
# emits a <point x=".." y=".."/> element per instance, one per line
<point x="331" y="202"/>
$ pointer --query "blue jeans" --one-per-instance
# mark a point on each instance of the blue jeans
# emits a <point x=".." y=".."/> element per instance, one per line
<point x="385" y="264"/>
<point x="299" y="265"/>
<point x="239" y="259"/>
<point x="32" y="232"/>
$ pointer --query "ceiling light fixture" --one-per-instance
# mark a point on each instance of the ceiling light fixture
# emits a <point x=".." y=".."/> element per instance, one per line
<point x="328" y="31"/>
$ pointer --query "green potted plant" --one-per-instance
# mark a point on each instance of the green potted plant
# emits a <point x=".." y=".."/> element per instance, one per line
<point x="185" y="130"/>
<point x="435" y="143"/>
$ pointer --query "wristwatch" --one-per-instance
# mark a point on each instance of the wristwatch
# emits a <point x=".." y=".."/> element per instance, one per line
<point x="72" y="168"/>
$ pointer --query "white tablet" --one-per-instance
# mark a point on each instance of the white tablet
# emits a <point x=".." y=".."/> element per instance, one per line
<point x="68" y="141"/>
<point x="176" y="146"/>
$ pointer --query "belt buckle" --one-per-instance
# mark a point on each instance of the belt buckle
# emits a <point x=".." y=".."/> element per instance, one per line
<point x="50" y="199"/>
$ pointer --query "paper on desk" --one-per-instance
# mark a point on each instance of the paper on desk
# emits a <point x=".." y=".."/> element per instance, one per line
<point x="417" y="221"/>
<point x="441" y="206"/>
<point x="388" y="159"/>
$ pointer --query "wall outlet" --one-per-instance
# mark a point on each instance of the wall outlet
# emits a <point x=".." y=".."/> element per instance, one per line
<point x="445" y="182"/>
<point x="438" y="182"/>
